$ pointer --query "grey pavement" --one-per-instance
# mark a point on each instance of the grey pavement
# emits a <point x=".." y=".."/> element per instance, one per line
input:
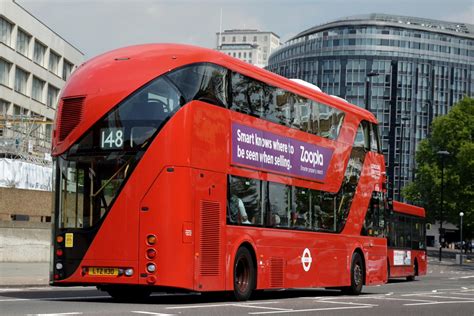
<point x="22" y="274"/>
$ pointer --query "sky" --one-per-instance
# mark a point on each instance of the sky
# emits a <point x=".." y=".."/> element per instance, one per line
<point x="97" y="26"/>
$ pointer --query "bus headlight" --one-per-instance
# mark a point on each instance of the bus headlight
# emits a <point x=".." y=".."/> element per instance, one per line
<point x="59" y="265"/>
<point x="129" y="272"/>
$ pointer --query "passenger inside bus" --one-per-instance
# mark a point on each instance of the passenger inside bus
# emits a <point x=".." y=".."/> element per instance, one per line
<point x="238" y="214"/>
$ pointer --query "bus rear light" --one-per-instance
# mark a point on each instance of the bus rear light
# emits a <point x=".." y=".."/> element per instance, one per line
<point x="129" y="272"/>
<point x="121" y="272"/>
<point x="59" y="239"/>
<point x="151" y="239"/>
<point x="59" y="266"/>
<point x="59" y="252"/>
<point x="150" y="267"/>
<point x="151" y="253"/>
<point x="56" y="276"/>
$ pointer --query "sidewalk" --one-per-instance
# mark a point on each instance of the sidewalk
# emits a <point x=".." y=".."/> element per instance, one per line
<point x="24" y="274"/>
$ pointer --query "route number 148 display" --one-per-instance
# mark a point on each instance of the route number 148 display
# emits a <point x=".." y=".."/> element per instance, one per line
<point x="111" y="138"/>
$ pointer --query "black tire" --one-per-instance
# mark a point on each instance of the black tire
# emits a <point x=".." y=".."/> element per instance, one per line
<point x="244" y="275"/>
<point x="415" y="272"/>
<point x="131" y="293"/>
<point x="388" y="271"/>
<point x="357" y="276"/>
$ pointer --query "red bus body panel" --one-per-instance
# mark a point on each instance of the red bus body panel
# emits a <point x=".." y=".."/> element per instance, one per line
<point x="418" y="256"/>
<point x="183" y="174"/>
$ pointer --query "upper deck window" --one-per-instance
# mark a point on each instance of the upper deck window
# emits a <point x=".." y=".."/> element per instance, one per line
<point x="277" y="105"/>
<point x="203" y="82"/>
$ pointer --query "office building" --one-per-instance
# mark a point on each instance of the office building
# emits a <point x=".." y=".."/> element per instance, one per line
<point x="251" y="46"/>
<point x="35" y="63"/>
<point x="415" y="69"/>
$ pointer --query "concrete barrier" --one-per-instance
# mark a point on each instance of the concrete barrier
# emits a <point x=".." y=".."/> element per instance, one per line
<point x="25" y="242"/>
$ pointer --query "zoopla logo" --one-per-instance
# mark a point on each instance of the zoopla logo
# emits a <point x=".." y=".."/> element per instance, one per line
<point x="314" y="158"/>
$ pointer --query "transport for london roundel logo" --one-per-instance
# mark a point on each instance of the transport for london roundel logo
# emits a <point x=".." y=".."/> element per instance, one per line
<point x="306" y="259"/>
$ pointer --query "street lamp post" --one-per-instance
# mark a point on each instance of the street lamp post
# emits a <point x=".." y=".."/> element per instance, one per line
<point x="442" y="154"/>
<point x="367" y="88"/>
<point x="461" y="245"/>
<point x="402" y="136"/>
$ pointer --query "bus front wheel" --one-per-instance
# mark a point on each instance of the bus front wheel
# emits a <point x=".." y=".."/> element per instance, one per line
<point x="357" y="276"/>
<point x="244" y="275"/>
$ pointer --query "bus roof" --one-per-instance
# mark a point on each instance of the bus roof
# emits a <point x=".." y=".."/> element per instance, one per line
<point x="190" y="54"/>
<point x="404" y="208"/>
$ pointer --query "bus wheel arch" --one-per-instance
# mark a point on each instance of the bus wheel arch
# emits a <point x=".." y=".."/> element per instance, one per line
<point x="415" y="271"/>
<point x="357" y="273"/>
<point x="244" y="274"/>
<point x="388" y="269"/>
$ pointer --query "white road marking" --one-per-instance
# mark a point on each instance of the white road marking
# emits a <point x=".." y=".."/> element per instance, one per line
<point x="400" y="299"/>
<point x="216" y="305"/>
<point x="151" y="313"/>
<point x="448" y="297"/>
<point x="261" y="307"/>
<point x="53" y="298"/>
<point x="310" y="310"/>
<point x="56" y="314"/>
<point x="434" y="303"/>
<point x="463" y="277"/>
<point x="347" y="303"/>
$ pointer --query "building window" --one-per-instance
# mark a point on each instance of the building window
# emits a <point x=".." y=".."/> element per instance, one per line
<point x="4" y="72"/>
<point x="21" y="80"/>
<point x="5" y="31"/>
<point x="37" y="89"/>
<point x="53" y="62"/>
<point x="18" y="110"/>
<point x="223" y="38"/>
<point x="23" y="42"/>
<point x="3" y="107"/>
<point x="255" y="38"/>
<point x="244" y="39"/>
<point x="38" y="53"/>
<point x="67" y="69"/>
<point x="233" y="39"/>
<point x="52" y="96"/>
<point x="250" y="55"/>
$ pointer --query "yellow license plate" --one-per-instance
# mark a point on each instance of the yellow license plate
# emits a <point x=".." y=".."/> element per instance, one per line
<point x="103" y="271"/>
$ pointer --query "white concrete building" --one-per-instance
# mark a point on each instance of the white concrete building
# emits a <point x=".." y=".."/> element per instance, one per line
<point x="35" y="63"/>
<point x="251" y="46"/>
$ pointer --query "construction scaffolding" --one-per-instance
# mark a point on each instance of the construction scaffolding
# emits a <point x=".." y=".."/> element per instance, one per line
<point x="26" y="137"/>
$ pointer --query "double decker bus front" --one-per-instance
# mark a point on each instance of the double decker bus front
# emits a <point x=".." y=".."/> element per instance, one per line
<point x="104" y="164"/>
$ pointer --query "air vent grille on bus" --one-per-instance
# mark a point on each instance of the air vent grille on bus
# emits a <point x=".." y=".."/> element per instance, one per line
<point x="210" y="238"/>
<point x="276" y="272"/>
<point x="70" y="116"/>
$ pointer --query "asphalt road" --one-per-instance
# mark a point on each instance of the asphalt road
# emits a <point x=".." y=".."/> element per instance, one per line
<point x="446" y="290"/>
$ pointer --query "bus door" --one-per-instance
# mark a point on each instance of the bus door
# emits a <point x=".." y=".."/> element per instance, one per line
<point x="165" y="243"/>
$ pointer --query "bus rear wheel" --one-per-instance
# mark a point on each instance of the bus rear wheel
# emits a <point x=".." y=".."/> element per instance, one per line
<point x="415" y="272"/>
<point x="244" y="275"/>
<point x="357" y="276"/>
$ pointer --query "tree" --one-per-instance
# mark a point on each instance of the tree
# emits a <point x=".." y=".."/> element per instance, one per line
<point x="453" y="132"/>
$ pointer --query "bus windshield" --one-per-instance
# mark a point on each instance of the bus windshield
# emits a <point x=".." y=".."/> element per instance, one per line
<point x="92" y="172"/>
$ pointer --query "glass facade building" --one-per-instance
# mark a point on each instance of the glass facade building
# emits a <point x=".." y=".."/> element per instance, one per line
<point x="413" y="70"/>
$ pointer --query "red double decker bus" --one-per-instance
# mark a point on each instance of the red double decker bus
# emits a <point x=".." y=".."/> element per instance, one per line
<point x="406" y="256"/>
<point x="181" y="167"/>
